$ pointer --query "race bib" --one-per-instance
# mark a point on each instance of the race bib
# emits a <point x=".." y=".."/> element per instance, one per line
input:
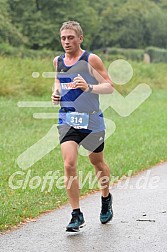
<point x="77" y="120"/>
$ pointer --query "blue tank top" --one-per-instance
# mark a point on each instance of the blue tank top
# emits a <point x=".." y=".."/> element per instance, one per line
<point x="74" y="99"/>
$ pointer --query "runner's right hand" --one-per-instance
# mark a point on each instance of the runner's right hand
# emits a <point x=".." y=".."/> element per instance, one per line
<point x="55" y="98"/>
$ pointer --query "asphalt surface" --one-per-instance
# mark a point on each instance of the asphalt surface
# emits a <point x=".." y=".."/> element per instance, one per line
<point x="139" y="223"/>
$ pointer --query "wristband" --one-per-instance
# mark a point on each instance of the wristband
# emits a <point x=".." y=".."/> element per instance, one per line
<point x="90" y="86"/>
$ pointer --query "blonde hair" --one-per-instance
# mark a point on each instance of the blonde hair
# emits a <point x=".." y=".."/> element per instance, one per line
<point x="73" y="25"/>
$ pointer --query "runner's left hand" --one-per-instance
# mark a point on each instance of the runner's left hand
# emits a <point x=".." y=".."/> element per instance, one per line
<point x="80" y="83"/>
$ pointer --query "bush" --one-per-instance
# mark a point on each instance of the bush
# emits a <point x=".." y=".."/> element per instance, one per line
<point x="117" y="53"/>
<point x="157" y="54"/>
<point x="21" y="52"/>
<point x="7" y="50"/>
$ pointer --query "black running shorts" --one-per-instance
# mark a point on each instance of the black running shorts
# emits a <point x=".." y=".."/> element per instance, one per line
<point x="93" y="142"/>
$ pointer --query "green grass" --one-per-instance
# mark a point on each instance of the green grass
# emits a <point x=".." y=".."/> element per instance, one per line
<point x="138" y="142"/>
<point x="16" y="77"/>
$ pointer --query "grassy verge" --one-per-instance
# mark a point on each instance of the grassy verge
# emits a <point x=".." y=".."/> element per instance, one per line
<point x="16" y="77"/>
<point x="138" y="142"/>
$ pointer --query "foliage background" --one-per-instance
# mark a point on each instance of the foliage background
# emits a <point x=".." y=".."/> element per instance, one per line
<point x="119" y="23"/>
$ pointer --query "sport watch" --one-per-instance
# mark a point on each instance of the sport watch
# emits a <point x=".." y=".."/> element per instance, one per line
<point x="90" y="86"/>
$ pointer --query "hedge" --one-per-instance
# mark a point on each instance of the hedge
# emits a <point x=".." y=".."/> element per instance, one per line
<point x="157" y="54"/>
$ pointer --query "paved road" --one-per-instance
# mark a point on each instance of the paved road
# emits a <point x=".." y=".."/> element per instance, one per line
<point x="139" y="223"/>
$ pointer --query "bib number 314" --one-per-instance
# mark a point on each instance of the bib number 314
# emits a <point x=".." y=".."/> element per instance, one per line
<point x="77" y="120"/>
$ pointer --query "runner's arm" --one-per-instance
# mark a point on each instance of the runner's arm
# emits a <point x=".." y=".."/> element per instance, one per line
<point x="97" y="69"/>
<point x="56" y="87"/>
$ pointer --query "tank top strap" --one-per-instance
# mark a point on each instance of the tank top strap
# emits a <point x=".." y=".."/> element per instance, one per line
<point x="85" y="56"/>
<point x="60" y="64"/>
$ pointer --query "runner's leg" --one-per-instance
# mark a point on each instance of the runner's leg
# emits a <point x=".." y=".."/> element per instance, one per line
<point x="70" y="153"/>
<point x="97" y="159"/>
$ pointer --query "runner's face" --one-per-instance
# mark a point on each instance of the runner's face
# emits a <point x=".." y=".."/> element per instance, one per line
<point x="70" y="40"/>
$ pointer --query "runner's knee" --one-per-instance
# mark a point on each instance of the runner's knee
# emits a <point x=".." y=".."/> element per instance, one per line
<point x="97" y="164"/>
<point x="70" y="167"/>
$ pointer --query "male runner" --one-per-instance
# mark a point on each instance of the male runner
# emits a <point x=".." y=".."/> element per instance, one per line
<point x="81" y="77"/>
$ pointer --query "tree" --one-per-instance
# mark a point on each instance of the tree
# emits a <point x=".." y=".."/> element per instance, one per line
<point x="118" y="23"/>
<point x="125" y="24"/>
<point x="8" y="32"/>
<point x="156" y="23"/>
<point x="40" y="20"/>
